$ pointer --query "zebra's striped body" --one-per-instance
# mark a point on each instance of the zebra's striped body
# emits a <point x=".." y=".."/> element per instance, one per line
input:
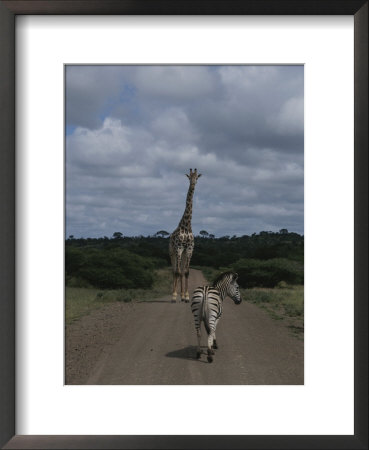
<point x="207" y="306"/>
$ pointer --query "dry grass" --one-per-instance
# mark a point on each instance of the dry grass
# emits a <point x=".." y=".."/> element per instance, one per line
<point x="285" y="303"/>
<point x="81" y="301"/>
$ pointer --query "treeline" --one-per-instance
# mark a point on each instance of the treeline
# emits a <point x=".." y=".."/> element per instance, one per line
<point x="264" y="259"/>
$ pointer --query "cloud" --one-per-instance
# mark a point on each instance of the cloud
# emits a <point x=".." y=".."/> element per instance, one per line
<point x="91" y="92"/>
<point x="289" y="120"/>
<point x="136" y="130"/>
<point x="177" y="83"/>
<point x="173" y="125"/>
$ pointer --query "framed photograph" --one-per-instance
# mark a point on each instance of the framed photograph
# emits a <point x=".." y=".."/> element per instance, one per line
<point x="126" y="170"/>
<point x="106" y="106"/>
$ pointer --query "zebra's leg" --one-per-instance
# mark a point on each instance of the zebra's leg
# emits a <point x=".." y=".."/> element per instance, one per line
<point x="210" y="345"/>
<point x="198" y="352"/>
<point x="215" y="345"/>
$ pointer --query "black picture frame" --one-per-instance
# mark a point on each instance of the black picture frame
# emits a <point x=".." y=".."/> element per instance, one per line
<point x="8" y="12"/>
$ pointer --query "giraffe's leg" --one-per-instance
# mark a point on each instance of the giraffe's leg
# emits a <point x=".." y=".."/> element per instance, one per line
<point x="187" y="273"/>
<point x="198" y="352"/>
<point x="182" y="288"/>
<point x="173" y="257"/>
<point x="184" y="265"/>
<point x="175" y="282"/>
<point x="187" y="295"/>
<point x="176" y="273"/>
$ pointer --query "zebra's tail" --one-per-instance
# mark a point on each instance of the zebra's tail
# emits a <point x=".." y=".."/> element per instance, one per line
<point x="205" y="312"/>
<point x="197" y="306"/>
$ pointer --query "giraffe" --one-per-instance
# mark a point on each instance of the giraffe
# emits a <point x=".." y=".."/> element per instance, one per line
<point x="181" y="243"/>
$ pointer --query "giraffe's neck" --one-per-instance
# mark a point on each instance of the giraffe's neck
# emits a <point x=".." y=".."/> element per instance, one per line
<point x="185" y="222"/>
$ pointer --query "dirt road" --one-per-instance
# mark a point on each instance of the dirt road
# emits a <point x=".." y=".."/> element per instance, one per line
<point x="155" y="343"/>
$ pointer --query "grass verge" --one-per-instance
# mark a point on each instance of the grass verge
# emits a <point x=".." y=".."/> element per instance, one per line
<point x="80" y="301"/>
<point x="285" y="303"/>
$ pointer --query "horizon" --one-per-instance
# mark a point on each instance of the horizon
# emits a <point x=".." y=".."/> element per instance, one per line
<point x="155" y="235"/>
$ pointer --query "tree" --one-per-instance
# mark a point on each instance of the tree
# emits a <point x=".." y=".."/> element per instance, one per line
<point x="283" y="231"/>
<point x="117" y="235"/>
<point x="204" y="233"/>
<point x="161" y="233"/>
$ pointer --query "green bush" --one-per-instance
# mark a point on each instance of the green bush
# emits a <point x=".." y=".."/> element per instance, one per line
<point x="109" y="268"/>
<point x="77" y="282"/>
<point x="74" y="260"/>
<point x="268" y="273"/>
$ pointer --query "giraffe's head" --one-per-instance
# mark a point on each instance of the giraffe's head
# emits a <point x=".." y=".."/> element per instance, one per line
<point x="193" y="176"/>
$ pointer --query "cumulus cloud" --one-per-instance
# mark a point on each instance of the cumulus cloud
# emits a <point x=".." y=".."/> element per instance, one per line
<point x="289" y="120"/>
<point x="134" y="131"/>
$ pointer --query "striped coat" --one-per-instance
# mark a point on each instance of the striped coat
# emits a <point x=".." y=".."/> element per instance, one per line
<point x="207" y="307"/>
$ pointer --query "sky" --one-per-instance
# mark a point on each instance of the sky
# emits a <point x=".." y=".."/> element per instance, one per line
<point x="133" y="132"/>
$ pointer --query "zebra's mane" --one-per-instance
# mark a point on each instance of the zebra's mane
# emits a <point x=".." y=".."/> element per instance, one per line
<point x="221" y="276"/>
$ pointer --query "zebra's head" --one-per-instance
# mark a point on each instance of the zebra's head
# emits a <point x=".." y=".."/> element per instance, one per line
<point x="193" y="176"/>
<point x="227" y="284"/>
<point x="234" y="289"/>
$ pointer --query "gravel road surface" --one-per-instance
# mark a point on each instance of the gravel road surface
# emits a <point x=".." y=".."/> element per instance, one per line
<point x="154" y="342"/>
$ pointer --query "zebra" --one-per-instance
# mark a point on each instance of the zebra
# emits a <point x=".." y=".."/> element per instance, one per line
<point x="207" y="305"/>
